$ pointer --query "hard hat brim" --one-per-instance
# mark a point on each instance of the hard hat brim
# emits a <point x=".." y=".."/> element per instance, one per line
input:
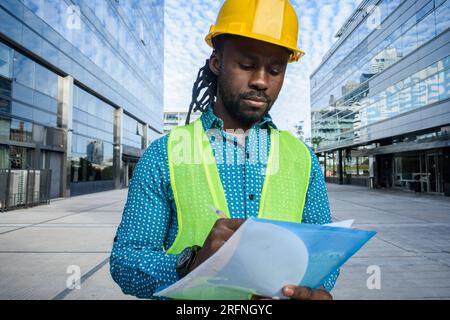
<point x="295" y="55"/>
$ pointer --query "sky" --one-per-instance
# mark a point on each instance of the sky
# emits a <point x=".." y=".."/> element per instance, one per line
<point x="188" y="22"/>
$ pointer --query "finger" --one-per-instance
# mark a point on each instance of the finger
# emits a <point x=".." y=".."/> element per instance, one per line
<point x="232" y="224"/>
<point x="221" y="233"/>
<point x="306" y="293"/>
<point x="298" y="292"/>
<point x="322" y="294"/>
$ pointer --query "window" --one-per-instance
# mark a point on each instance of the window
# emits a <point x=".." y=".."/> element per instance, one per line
<point x="132" y="132"/>
<point x="426" y="29"/>
<point x="363" y="166"/>
<point x="437" y="3"/>
<point x="92" y="117"/>
<point x="442" y="17"/>
<point x="393" y="4"/>
<point x="92" y="160"/>
<point x="5" y="61"/>
<point x="409" y="41"/>
<point x="53" y="14"/>
<point x="433" y="88"/>
<point x="5" y="128"/>
<point x="4" y="157"/>
<point x="32" y="40"/>
<point x="23" y="70"/>
<point x="5" y="89"/>
<point x="21" y="131"/>
<point x="350" y="166"/>
<point x="20" y="157"/>
<point x="444" y="84"/>
<point x="424" y="10"/>
<point x="46" y="81"/>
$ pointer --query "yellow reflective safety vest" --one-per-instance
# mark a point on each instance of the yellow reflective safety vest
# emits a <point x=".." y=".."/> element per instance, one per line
<point x="196" y="184"/>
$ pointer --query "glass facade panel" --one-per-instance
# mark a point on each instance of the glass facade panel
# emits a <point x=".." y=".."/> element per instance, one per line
<point x="132" y="132"/>
<point x="123" y="41"/>
<point x="20" y="157"/>
<point x="36" y="88"/>
<point x="46" y="81"/>
<point x="113" y="49"/>
<point x="21" y="131"/>
<point x="426" y="29"/>
<point x="363" y="166"/>
<point x="5" y="90"/>
<point x="23" y="70"/>
<point x="350" y="165"/>
<point x="332" y="87"/>
<point x="92" y="139"/>
<point x="6" y="64"/>
<point x="417" y="30"/>
<point x="424" y="10"/>
<point x="442" y="16"/>
<point x="420" y="89"/>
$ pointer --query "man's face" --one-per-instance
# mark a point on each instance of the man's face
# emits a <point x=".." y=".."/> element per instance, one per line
<point x="250" y="78"/>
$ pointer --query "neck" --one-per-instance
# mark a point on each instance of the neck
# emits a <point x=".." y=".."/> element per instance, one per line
<point x="229" y="122"/>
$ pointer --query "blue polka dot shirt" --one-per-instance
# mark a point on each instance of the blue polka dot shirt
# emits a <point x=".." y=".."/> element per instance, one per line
<point x="138" y="262"/>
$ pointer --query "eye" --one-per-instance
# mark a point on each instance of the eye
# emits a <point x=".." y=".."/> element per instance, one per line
<point x="246" y="66"/>
<point x="275" y="71"/>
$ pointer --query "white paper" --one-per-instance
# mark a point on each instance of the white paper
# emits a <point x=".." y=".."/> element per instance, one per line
<point x="341" y="224"/>
<point x="261" y="257"/>
<point x="247" y="260"/>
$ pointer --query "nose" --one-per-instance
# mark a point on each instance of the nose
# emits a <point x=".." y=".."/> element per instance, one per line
<point x="259" y="80"/>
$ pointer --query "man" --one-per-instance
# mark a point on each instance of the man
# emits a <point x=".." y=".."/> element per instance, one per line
<point x="167" y="229"/>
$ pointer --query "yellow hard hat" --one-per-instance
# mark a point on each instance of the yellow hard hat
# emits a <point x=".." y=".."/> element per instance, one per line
<point x="273" y="21"/>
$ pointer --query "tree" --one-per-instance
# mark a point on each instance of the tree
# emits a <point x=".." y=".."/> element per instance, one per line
<point x="299" y="130"/>
<point x="316" y="142"/>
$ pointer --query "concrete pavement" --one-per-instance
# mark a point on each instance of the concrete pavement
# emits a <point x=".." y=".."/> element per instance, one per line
<point x="411" y="249"/>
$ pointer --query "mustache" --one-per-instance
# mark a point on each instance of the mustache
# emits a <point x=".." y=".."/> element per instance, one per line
<point x="255" y="94"/>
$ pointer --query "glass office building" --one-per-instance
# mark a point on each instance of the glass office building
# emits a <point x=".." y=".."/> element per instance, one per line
<point x="380" y="103"/>
<point x="81" y="89"/>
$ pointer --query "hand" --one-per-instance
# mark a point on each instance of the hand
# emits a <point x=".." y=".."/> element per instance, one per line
<point x="222" y="230"/>
<point x="306" y="293"/>
<point x="301" y="293"/>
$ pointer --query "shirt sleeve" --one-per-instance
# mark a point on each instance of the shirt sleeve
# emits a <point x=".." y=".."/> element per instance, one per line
<point x="138" y="262"/>
<point x="317" y="207"/>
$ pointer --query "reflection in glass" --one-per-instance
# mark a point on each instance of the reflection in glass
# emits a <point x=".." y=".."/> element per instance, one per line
<point x="426" y="29"/>
<point x="6" y="64"/>
<point x="23" y="70"/>
<point x="5" y="125"/>
<point x="92" y="160"/>
<point x="132" y="132"/>
<point x="20" y="157"/>
<point x="442" y="17"/>
<point x="21" y="131"/>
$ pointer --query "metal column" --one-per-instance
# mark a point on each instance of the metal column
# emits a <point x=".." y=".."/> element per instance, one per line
<point x="117" y="153"/>
<point x="65" y="107"/>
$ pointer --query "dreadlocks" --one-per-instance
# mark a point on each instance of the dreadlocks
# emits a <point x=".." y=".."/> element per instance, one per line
<point x="206" y="82"/>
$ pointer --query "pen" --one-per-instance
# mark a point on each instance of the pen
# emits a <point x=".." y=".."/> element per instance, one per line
<point x="218" y="212"/>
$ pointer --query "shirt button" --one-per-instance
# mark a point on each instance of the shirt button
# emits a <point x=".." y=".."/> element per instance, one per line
<point x="251" y="197"/>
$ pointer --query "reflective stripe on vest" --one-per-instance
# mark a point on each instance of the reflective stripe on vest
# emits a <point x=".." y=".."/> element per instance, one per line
<point x="196" y="184"/>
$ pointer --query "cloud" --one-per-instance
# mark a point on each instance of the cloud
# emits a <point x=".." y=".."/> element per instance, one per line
<point x="186" y="26"/>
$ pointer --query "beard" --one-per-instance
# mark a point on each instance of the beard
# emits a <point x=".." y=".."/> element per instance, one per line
<point x="236" y="106"/>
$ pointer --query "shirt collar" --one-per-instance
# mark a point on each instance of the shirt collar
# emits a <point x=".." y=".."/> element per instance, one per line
<point x="210" y="120"/>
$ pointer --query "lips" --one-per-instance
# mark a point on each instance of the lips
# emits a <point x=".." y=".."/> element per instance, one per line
<point x="256" y="102"/>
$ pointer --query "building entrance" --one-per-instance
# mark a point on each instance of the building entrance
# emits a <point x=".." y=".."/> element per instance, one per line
<point x="433" y="168"/>
<point x="419" y="172"/>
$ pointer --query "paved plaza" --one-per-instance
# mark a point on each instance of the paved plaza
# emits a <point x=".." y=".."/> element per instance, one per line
<point x="412" y="248"/>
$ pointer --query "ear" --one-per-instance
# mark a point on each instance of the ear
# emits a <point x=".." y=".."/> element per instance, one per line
<point x="215" y="62"/>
